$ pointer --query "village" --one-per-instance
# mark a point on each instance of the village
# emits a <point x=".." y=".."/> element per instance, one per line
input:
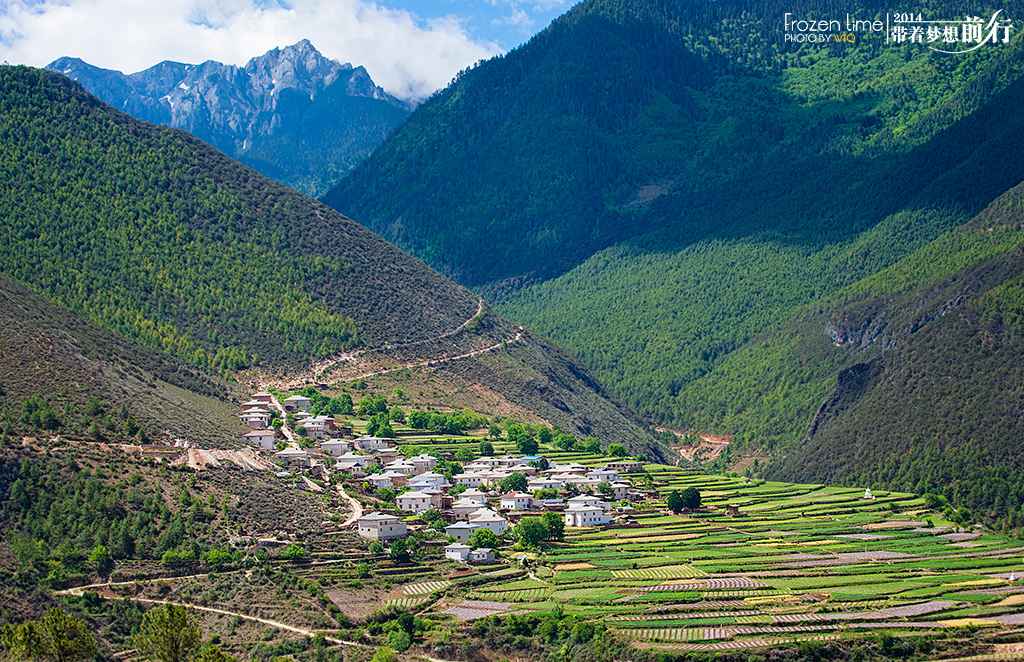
<point x="745" y="565"/>
<point x="468" y="497"/>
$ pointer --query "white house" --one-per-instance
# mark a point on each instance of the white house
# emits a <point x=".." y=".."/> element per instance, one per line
<point x="588" y="501"/>
<point x="262" y="438"/>
<point x="296" y="403"/>
<point x="463" y="507"/>
<point x="461" y="531"/>
<point x="379" y="526"/>
<point x="620" y="491"/>
<point x="423" y="463"/>
<point x="470" y="479"/>
<point x="489" y="519"/>
<point x="336" y="447"/>
<point x="263" y="397"/>
<point x="253" y="404"/>
<point x="257" y="419"/>
<point x="586" y="516"/>
<point x="371" y="443"/>
<point x="475" y="495"/>
<point x="293" y="457"/>
<point x="416" y="502"/>
<point x="603" y="475"/>
<point x="535" y="484"/>
<point x="567" y="468"/>
<point x="429" y="479"/>
<point x="516" y="501"/>
<point x="402" y="467"/>
<point x="482" y="555"/>
<point x="379" y="481"/>
<point x="318" y="427"/>
<point x="457" y="552"/>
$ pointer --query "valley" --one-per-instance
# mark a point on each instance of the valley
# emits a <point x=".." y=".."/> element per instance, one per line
<point x="806" y="571"/>
<point x="693" y="343"/>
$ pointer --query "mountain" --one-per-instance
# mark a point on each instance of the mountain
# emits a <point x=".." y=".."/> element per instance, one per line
<point x="155" y="235"/>
<point x="655" y="184"/>
<point x="928" y="392"/>
<point x="292" y="114"/>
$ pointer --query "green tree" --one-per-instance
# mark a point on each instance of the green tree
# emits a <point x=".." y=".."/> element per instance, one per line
<point x="592" y="445"/>
<point x="674" y="501"/>
<point x="531" y="531"/>
<point x="527" y="445"/>
<point x="555" y="524"/>
<point x="397" y="415"/>
<point x="486" y="448"/>
<point x="399" y="551"/>
<point x="101" y="559"/>
<point x="517" y="482"/>
<point x="565" y="441"/>
<point x="419" y="420"/>
<point x="212" y="653"/>
<point x="484" y="538"/>
<point x="691" y="498"/>
<point x="293" y="552"/>
<point x="384" y="654"/>
<point x="56" y="637"/>
<point x="168" y="634"/>
<point x="617" y="450"/>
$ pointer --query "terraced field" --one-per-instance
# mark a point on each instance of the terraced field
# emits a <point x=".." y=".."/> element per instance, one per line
<point x="799" y="563"/>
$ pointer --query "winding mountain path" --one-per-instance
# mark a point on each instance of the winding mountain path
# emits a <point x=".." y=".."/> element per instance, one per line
<point x="257" y="619"/>
<point x="357" y="508"/>
<point x="317" y="369"/>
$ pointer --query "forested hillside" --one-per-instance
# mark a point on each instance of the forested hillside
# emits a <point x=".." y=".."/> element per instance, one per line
<point x="654" y="185"/>
<point x="155" y="235"/>
<point x="685" y="117"/>
<point x="60" y="374"/>
<point x="929" y="396"/>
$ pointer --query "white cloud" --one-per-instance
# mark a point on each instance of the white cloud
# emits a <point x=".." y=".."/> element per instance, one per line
<point x="518" y="18"/>
<point x="405" y="55"/>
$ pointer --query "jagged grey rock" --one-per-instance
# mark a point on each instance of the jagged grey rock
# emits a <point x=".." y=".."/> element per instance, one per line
<point x="251" y="112"/>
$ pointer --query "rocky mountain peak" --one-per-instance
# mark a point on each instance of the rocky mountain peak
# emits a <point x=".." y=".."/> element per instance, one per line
<point x="299" y="66"/>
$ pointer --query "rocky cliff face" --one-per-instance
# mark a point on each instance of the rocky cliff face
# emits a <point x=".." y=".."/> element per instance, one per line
<point x="235" y="108"/>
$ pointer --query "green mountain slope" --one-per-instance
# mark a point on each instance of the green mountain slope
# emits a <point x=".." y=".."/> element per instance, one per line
<point x="155" y="235"/>
<point x="99" y="385"/>
<point x="671" y="180"/>
<point x="627" y="117"/>
<point x="930" y="396"/>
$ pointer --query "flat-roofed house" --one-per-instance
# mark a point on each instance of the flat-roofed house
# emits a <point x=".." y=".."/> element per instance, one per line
<point x="296" y="403"/>
<point x="461" y="531"/>
<point x="516" y="501"/>
<point x="265" y="439"/>
<point x="293" y="457"/>
<point x="380" y="526"/>
<point x="416" y="502"/>
<point x="581" y="515"/>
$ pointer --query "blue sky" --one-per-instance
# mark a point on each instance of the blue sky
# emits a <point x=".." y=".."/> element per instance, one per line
<point x="506" y="23"/>
<point x="409" y="47"/>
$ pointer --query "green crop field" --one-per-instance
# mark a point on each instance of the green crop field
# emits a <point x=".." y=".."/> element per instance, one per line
<point x="798" y="563"/>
